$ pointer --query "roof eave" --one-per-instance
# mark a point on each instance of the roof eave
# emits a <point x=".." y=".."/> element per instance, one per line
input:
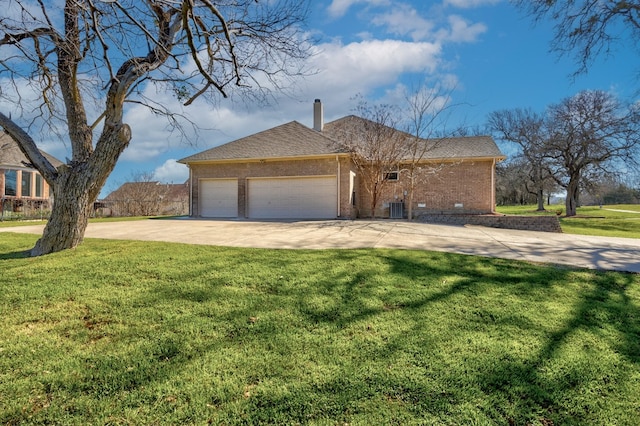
<point x="262" y="159"/>
<point x="453" y="159"/>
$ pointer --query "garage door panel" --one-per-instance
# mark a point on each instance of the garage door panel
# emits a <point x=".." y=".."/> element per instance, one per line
<point x="219" y="198"/>
<point x="293" y="198"/>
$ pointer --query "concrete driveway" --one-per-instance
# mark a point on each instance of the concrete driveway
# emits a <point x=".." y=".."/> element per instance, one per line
<point x="621" y="254"/>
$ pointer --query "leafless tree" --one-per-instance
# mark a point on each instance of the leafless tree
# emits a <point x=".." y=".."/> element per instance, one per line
<point x="376" y="146"/>
<point x="514" y="185"/>
<point x="528" y="131"/>
<point x="587" y="28"/>
<point x="589" y="133"/>
<point x="426" y="118"/>
<point x="83" y="63"/>
<point x="141" y="195"/>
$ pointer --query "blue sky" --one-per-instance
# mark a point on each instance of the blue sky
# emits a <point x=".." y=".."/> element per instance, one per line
<point x="489" y="51"/>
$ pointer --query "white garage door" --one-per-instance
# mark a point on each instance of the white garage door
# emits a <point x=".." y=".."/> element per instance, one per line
<point x="218" y="197"/>
<point x="293" y="198"/>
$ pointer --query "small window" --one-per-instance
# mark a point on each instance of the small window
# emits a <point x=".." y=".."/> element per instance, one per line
<point x="26" y="184"/>
<point x="391" y="176"/>
<point x="39" y="186"/>
<point x="10" y="182"/>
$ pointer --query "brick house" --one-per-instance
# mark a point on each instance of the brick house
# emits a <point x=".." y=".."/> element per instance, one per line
<point x="21" y="185"/>
<point x="294" y="172"/>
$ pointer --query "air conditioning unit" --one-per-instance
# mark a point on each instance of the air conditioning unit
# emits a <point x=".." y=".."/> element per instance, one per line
<point x="396" y="210"/>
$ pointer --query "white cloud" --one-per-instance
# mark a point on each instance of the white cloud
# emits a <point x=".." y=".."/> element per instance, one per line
<point x="361" y="66"/>
<point x="468" y="4"/>
<point x="171" y="172"/>
<point x="344" y="71"/>
<point x="338" y="8"/>
<point x="461" y="31"/>
<point x="405" y="20"/>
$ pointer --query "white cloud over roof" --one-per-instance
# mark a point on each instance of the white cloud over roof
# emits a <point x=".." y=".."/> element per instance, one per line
<point x="171" y="172"/>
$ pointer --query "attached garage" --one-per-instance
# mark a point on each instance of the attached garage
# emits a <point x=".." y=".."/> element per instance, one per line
<point x="313" y="197"/>
<point x="218" y="197"/>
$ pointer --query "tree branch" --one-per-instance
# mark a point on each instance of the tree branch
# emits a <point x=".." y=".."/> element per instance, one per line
<point x="29" y="148"/>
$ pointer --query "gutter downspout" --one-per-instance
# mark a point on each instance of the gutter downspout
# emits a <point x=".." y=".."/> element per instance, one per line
<point x="338" y="184"/>
<point x="493" y="186"/>
<point x="190" y="191"/>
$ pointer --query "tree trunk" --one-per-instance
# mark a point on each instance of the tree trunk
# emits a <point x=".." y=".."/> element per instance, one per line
<point x="72" y="206"/>
<point x="571" y="202"/>
<point x="410" y="196"/>
<point x="540" y="196"/>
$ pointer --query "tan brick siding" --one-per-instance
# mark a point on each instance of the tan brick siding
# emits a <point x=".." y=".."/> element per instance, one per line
<point x="440" y="187"/>
<point x="293" y="168"/>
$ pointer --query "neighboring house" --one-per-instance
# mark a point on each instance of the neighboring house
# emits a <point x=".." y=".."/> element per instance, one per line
<point x="294" y="172"/>
<point x="145" y="199"/>
<point x="21" y="185"/>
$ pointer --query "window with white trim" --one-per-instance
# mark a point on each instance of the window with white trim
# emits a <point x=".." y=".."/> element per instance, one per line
<point x="392" y="176"/>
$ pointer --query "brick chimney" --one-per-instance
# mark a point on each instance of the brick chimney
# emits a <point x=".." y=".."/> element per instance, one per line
<point x="318" y="116"/>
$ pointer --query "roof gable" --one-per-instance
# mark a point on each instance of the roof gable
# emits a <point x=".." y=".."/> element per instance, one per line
<point x="287" y="140"/>
<point x="12" y="156"/>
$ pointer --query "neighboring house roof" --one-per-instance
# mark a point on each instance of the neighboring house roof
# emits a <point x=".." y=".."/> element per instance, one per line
<point x="149" y="189"/>
<point x="12" y="156"/>
<point x="296" y="140"/>
<point x="287" y="140"/>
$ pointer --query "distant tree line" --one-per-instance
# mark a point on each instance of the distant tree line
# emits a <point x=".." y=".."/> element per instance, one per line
<point x="573" y="146"/>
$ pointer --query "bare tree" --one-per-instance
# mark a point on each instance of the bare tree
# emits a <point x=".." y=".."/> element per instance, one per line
<point x="86" y="61"/>
<point x="426" y="120"/>
<point x="589" y="133"/>
<point x="587" y="28"/>
<point x="141" y="195"/>
<point x="376" y="146"/>
<point x="512" y="182"/>
<point x="528" y="131"/>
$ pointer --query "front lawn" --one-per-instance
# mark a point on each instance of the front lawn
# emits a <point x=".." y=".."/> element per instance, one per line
<point x="119" y="332"/>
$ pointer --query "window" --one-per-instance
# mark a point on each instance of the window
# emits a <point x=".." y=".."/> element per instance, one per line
<point x="39" y="186"/>
<point x="391" y="176"/>
<point x="26" y="184"/>
<point x="10" y="182"/>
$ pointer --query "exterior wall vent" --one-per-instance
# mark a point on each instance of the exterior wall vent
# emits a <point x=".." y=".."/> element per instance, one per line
<point x="396" y="210"/>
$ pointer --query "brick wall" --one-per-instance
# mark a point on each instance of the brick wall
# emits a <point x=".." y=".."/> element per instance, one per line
<point x="527" y="223"/>
<point x="293" y="168"/>
<point x="451" y="187"/>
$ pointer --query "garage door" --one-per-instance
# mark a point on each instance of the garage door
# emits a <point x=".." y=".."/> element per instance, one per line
<point x="218" y="197"/>
<point x="293" y="198"/>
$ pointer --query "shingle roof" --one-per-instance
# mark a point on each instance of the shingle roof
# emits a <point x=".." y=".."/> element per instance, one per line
<point x="436" y="149"/>
<point x="287" y="140"/>
<point x="11" y="156"/>
<point x="468" y="147"/>
<point x="296" y="140"/>
<point x="171" y="191"/>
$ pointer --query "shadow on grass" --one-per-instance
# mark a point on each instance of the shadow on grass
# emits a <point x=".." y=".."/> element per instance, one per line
<point x="15" y="255"/>
<point x="592" y="349"/>
<point x="582" y="357"/>
<point x="402" y="336"/>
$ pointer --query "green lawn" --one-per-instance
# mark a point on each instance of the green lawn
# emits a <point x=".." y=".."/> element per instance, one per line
<point x="607" y="221"/>
<point x="118" y="332"/>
